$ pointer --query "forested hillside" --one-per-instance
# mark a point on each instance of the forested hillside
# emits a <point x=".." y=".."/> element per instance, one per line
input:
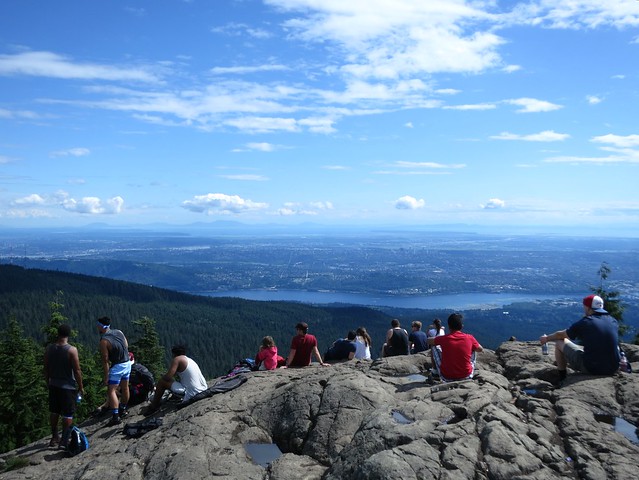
<point x="217" y="331"/>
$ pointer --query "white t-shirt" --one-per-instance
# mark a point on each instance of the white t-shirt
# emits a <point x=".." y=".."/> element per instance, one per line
<point x="362" y="351"/>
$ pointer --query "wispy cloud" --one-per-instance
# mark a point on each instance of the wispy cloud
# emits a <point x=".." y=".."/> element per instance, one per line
<point x="48" y="64"/>
<point x="247" y="70"/>
<point x="621" y="149"/>
<point x="246" y="177"/>
<point x="71" y="152"/>
<point x="241" y="29"/>
<point x="545" y="136"/>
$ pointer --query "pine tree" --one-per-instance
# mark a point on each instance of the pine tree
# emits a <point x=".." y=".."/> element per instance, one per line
<point x="23" y="397"/>
<point x="612" y="302"/>
<point x="147" y="348"/>
<point x="50" y="330"/>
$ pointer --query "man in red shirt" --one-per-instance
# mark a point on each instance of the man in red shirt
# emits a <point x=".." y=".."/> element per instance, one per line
<point x="456" y="361"/>
<point x="303" y="346"/>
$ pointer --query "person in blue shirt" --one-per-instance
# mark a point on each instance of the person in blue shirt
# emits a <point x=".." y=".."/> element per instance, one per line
<point x="598" y="333"/>
<point x="417" y="338"/>
<point x="342" y="349"/>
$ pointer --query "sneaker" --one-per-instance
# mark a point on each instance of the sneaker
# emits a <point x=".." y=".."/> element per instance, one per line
<point x="115" y="420"/>
<point x="54" y="442"/>
<point x="124" y="413"/>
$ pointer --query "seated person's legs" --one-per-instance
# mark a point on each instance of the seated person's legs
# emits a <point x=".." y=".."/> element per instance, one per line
<point x="573" y="354"/>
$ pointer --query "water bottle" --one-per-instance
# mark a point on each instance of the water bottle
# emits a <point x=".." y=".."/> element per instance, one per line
<point x="544" y="347"/>
<point x="623" y="362"/>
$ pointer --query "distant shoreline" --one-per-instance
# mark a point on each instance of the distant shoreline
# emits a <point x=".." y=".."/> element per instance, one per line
<point x="461" y="301"/>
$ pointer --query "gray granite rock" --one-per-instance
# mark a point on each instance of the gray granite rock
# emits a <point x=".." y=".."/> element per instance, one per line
<point x="379" y="420"/>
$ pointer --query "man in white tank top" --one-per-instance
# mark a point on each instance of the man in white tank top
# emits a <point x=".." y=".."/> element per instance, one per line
<point x="191" y="381"/>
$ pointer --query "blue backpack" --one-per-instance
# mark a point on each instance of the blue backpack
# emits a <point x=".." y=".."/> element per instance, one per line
<point x="78" y="441"/>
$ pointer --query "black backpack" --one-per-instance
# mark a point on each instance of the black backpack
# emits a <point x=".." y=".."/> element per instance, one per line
<point x="78" y="441"/>
<point x="136" y="430"/>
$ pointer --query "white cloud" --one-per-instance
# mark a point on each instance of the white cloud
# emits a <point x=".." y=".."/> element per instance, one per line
<point x="213" y="203"/>
<point x="580" y="14"/>
<point x="73" y="152"/>
<point x="477" y="106"/>
<point x="94" y="205"/>
<point x="261" y="146"/>
<point x="21" y="114"/>
<point x="620" y="141"/>
<point x="4" y="159"/>
<point x="532" y="105"/>
<point x="409" y="203"/>
<point x="247" y="70"/>
<point x="493" y="203"/>
<point x="621" y="149"/>
<point x="429" y="165"/>
<point x="336" y="167"/>
<point x="593" y="99"/>
<point x="545" y="136"/>
<point x="33" y="199"/>
<point x="246" y="177"/>
<point x="394" y="39"/>
<point x="409" y="125"/>
<point x="48" y="64"/>
<point x="312" y="208"/>
<point x="238" y="29"/>
<point x="264" y="124"/>
<point x="511" y="68"/>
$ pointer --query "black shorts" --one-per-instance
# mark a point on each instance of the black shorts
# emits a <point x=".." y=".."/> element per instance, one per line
<point x="62" y="401"/>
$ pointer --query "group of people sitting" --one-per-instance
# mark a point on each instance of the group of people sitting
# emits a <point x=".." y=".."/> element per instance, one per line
<point x="453" y="355"/>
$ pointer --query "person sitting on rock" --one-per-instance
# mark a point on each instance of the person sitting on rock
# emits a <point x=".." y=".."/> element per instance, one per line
<point x="396" y="341"/>
<point x="363" y="344"/>
<point x="456" y="360"/>
<point x="417" y="338"/>
<point x="598" y="332"/>
<point x="342" y="349"/>
<point x="435" y="330"/>
<point x="267" y="358"/>
<point x="191" y="381"/>
<point x="303" y="346"/>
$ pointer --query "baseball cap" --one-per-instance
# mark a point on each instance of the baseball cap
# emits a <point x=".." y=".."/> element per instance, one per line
<point x="595" y="303"/>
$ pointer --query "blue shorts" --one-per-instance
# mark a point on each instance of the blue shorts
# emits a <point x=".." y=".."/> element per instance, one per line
<point x="119" y="372"/>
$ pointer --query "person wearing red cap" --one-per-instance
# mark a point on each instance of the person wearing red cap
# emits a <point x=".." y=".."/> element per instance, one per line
<point x="598" y="332"/>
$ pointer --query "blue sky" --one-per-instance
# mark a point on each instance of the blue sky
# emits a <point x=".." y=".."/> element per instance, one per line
<point x="372" y="112"/>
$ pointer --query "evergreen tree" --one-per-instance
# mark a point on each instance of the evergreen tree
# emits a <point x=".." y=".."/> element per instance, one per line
<point x="612" y="302"/>
<point x="23" y="398"/>
<point x="147" y="348"/>
<point x="50" y="330"/>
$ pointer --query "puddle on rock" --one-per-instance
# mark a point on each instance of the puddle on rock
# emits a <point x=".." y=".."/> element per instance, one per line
<point x="263" y="453"/>
<point x="620" y="425"/>
<point x="416" y="377"/>
<point x="399" y="417"/>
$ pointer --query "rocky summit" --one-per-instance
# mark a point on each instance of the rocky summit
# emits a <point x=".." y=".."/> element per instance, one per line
<point x="377" y="420"/>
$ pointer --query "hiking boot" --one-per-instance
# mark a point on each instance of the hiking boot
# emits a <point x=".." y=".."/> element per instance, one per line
<point x="124" y="413"/>
<point x="54" y="442"/>
<point x="115" y="420"/>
